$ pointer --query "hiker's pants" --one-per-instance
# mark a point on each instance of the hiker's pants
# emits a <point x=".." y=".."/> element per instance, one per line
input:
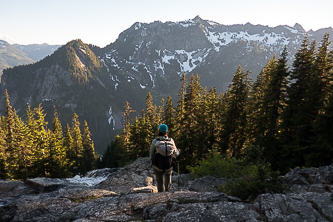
<point x="163" y="179"/>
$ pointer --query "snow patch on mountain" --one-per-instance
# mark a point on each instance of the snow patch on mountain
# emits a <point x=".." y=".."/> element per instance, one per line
<point x="187" y="60"/>
<point x="159" y="66"/>
<point x="186" y="23"/>
<point x="83" y="50"/>
<point x="225" y="38"/>
<point x="167" y="57"/>
<point x="292" y="30"/>
<point x="137" y="26"/>
<point x="142" y="87"/>
<point x="190" y="60"/>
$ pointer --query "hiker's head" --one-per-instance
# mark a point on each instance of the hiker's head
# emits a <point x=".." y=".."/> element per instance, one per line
<point x="163" y="130"/>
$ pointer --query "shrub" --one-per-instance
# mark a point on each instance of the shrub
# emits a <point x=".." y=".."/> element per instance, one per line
<point x="249" y="176"/>
<point x="266" y="181"/>
<point x="217" y="165"/>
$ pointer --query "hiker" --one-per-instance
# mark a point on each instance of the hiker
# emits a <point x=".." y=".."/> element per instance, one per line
<point x="163" y="153"/>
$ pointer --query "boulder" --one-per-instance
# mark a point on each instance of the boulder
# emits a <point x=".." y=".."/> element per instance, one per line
<point x="206" y="184"/>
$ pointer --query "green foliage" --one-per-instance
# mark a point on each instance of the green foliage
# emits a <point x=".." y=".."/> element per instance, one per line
<point x="233" y="119"/>
<point x="217" y="165"/>
<point x="249" y="186"/>
<point x="29" y="149"/>
<point x="264" y="180"/>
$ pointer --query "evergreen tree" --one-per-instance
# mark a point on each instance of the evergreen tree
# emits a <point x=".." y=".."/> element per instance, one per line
<point x="202" y="117"/>
<point x="11" y="151"/>
<point x="150" y="109"/>
<point x="322" y="148"/>
<point x="57" y="160"/>
<point x="127" y="122"/>
<point x="109" y="157"/>
<point x="24" y="144"/>
<point x="40" y="149"/>
<point x="190" y="129"/>
<point x="120" y="150"/>
<point x="320" y="151"/>
<point x="3" y="156"/>
<point x="220" y="118"/>
<point x="135" y="140"/>
<point x="77" y="147"/>
<point x="234" y="119"/>
<point x="90" y="157"/>
<point x="169" y="116"/>
<point x="265" y="107"/>
<point x="70" y="152"/>
<point x="149" y="124"/>
<point x="159" y="115"/>
<point x="180" y="130"/>
<point x="300" y="112"/>
<point x="207" y="121"/>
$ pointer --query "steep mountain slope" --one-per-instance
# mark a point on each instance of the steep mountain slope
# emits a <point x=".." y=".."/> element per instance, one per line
<point x="72" y="80"/>
<point x="151" y="53"/>
<point x="95" y="82"/>
<point x="11" y="56"/>
<point x="37" y="51"/>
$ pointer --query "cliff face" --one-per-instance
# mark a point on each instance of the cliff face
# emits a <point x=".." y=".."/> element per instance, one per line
<point x="127" y="194"/>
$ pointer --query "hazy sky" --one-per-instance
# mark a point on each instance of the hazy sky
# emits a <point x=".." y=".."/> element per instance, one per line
<point x="99" y="22"/>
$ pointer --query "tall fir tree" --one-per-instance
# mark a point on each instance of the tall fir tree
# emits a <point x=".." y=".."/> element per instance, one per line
<point x="265" y="107"/>
<point x="12" y="150"/>
<point x="77" y="148"/>
<point x="320" y="151"/>
<point x="89" y="156"/>
<point x="109" y="157"/>
<point x="40" y="137"/>
<point x="234" y="119"/>
<point x="212" y="129"/>
<point x="70" y="152"/>
<point x="180" y="130"/>
<point x="127" y="122"/>
<point x="169" y="116"/>
<point x="135" y="140"/>
<point x="300" y="112"/>
<point x="24" y="144"/>
<point x="190" y="120"/>
<point x="57" y="163"/>
<point x="151" y="123"/>
<point x="3" y="156"/>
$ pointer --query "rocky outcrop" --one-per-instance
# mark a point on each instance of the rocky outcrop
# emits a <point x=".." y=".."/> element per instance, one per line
<point x="129" y="194"/>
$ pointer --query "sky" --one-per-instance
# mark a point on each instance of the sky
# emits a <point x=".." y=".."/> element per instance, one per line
<point x="99" y="22"/>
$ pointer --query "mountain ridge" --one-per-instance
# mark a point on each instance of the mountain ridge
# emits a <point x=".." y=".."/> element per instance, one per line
<point x="11" y="56"/>
<point x="37" y="51"/>
<point x="16" y="55"/>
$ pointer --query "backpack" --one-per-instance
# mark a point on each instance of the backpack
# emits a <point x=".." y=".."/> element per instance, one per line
<point x="164" y="157"/>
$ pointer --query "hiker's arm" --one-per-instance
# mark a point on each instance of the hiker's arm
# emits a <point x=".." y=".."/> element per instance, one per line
<point x="176" y="151"/>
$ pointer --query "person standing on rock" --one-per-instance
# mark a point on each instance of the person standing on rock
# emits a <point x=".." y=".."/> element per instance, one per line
<point x="163" y="153"/>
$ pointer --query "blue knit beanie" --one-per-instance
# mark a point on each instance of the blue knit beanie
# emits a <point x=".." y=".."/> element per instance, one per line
<point x="163" y="128"/>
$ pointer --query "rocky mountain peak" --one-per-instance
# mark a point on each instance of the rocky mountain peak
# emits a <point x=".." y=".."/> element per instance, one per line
<point x="299" y="27"/>
<point x="3" y="42"/>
